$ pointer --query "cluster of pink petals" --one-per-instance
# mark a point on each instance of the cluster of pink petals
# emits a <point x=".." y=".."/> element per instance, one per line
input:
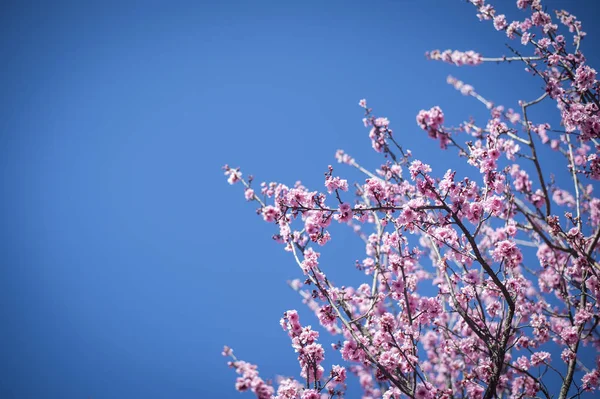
<point x="459" y="85"/>
<point x="455" y="57"/>
<point x="304" y="342"/>
<point x="249" y="380"/>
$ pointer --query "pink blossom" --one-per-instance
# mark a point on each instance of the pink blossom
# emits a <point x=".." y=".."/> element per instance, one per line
<point x="250" y="380"/>
<point x="422" y="392"/>
<point x="387" y="322"/>
<point x="591" y="380"/>
<point x="288" y="389"/>
<point x="430" y="120"/>
<point x="455" y="57"/>
<point x="465" y="89"/>
<point x="486" y="12"/>
<point x="311" y="260"/>
<point x="270" y="213"/>
<point x="345" y="213"/>
<point x="335" y="183"/>
<point x="522" y="363"/>
<point x="570" y="335"/>
<point x="474" y="390"/>
<point x="511" y="29"/>
<point x="507" y="252"/>
<point x="342" y="157"/>
<point x="539" y="358"/>
<point x="523" y="3"/>
<point x="583" y="316"/>
<point x="234" y="175"/>
<point x="494" y="205"/>
<point x="417" y="167"/>
<point x="500" y="22"/>
<point x="567" y="355"/>
<point x="493" y="308"/>
<point x="585" y="77"/>
<point x="339" y="374"/>
<point x="392" y="393"/>
<point x="327" y="315"/>
<point x="540" y="18"/>
<point x="351" y="351"/>
<point x="227" y="351"/>
<point x="311" y="394"/>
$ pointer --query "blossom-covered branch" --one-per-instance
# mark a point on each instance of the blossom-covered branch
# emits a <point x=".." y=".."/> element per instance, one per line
<point x="455" y="302"/>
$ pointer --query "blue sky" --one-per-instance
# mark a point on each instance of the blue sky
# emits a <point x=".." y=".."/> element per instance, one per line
<point x="127" y="260"/>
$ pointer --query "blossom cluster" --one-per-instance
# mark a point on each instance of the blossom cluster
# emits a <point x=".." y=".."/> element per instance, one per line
<point x="455" y="57"/>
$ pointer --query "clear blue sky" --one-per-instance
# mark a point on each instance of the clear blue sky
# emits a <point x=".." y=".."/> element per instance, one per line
<point x="127" y="261"/>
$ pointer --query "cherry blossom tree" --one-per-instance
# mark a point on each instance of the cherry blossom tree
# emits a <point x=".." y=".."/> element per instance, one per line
<point x="502" y="322"/>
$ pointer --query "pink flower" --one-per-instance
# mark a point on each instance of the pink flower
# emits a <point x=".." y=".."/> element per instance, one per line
<point x="351" y="351"/>
<point x="507" y="251"/>
<point x="375" y="189"/>
<point x="311" y="260"/>
<point x="522" y="363"/>
<point x="250" y="380"/>
<point x="486" y="12"/>
<point x="455" y="57"/>
<point x="585" y="77"/>
<point x="500" y="22"/>
<point x="311" y="394"/>
<point x="327" y="315"/>
<point x="511" y="29"/>
<point x="335" y="183"/>
<point x="422" y="392"/>
<point x="288" y="389"/>
<point x="583" y="316"/>
<point x="387" y="322"/>
<point x="474" y="391"/>
<point x="381" y="122"/>
<point x="494" y="205"/>
<point x="227" y="351"/>
<point x="539" y="358"/>
<point x="270" y="213"/>
<point x="523" y="3"/>
<point x="345" y="213"/>
<point x="591" y="381"/>
<point x="493" y="308"/>
<point x="339" y="374"/>
<point x="567" y="355"/>
<point x="234" y="175"/>
<point x="417" y="167"/>
<point x="342" y="157"/>
<point x="570" y="335"/>
<point x="430" y="120"/>
<point x="392" y="393"/>
<point x="540" y="18"/>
